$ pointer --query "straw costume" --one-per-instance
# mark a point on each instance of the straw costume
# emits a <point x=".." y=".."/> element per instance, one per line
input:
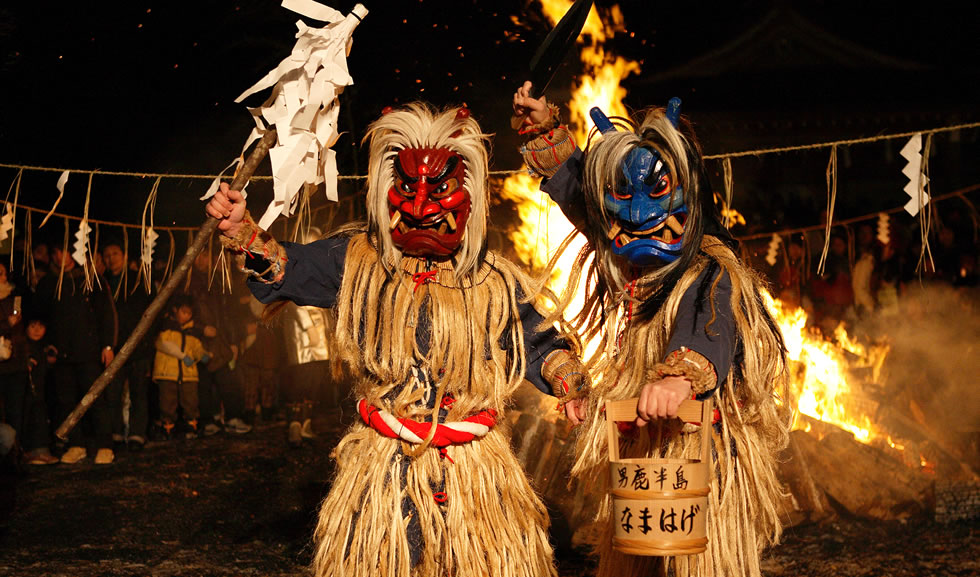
<point x="437" y="329"/>
<point x="670" y="298"/>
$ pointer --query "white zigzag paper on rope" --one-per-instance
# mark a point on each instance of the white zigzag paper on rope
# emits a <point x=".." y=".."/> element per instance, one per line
<point x="912" y="151"/>
<point x="81" y="242"/>
<point x="304" y="107"/>
<point x="7" y="222"/>
<point x="149" y="243"/>
<point x="773" y="249"/>
<point x="884" y="226"/>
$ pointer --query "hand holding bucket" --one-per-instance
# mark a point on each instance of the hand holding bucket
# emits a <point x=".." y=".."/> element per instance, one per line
<point x="660" y="506"/>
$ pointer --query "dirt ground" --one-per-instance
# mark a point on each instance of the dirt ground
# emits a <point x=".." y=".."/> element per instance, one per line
<point x="245" y="505"/>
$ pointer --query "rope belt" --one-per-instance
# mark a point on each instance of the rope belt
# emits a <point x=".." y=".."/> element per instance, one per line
<point x="454" y="433"/>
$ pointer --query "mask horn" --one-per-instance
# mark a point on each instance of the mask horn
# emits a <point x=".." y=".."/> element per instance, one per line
<point x="461" y="115"/>
<point x="601" y="120"/>
<point x="674" y="111"/>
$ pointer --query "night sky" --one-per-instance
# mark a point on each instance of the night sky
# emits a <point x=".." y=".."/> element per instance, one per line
<point x="143" y="86"/>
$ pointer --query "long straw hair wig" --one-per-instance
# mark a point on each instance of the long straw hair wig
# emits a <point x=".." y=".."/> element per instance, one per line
<point x="418" y="125"/>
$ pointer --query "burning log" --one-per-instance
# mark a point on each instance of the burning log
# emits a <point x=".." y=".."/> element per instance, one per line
<point x="807" y="503"/>
<point x="926" y="447"/>
<point x="865" y="481"/>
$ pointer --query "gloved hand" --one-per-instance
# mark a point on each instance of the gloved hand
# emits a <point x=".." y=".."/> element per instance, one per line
<point x="206" y="358"/>
<point x="188" y="360"/>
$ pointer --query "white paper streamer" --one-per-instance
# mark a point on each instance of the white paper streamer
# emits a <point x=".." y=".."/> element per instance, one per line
<point x="884" y="228"/>
<point x="62" y="180"/>
<point x="148" y="238"/>
<point x="149" y="244"/>
<point x="773" y="249"/>
<point x="912" y="151"/>
<point x="81" y="242"/>
<point x="304" y="107"/>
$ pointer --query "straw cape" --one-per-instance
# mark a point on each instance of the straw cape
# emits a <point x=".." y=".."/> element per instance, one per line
<point x="745" y="492"/>
<point x="468" y="510"/>
<point x="426" y="483"/>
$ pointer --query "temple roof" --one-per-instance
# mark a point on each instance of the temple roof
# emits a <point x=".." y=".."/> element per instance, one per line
<point x="783" y="41"/>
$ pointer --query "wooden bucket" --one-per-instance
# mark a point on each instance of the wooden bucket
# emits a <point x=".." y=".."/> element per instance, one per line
<point x="660" y="506"/>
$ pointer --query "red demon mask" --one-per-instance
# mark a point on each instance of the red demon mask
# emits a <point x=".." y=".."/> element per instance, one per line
<point x="428" y="204"/>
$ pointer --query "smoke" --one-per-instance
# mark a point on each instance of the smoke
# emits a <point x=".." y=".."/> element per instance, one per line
<point x="932" y="366"/>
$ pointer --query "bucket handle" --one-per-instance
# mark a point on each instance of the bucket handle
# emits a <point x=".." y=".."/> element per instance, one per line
<point x="689" y="412"/>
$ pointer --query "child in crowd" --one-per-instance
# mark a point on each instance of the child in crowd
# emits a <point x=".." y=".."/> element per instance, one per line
<point x="179" y="349"/>
<point x="37" y="430"/>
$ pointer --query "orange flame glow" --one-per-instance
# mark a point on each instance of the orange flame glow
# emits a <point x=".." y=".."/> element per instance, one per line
<point x="544" y="226"/>
<point x="820" y="366"/>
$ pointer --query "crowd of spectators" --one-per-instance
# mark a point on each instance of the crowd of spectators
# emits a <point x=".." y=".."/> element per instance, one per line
<point x="212" y="364"/>
<point x="864" y="278"/>
<point x="208" y="365"/>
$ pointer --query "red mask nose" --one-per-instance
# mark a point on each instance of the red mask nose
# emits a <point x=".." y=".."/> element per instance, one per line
<point x="421" y="192"/>
<point x="421" y="198"/>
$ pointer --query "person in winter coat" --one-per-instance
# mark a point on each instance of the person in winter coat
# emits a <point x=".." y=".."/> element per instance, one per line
<point x="81" y="322"/>
<point x="179" y="349"/>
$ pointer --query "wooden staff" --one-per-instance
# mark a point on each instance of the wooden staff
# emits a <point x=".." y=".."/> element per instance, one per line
<point x="151" y="312"/>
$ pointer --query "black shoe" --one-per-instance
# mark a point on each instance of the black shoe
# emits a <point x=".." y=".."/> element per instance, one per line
<point x="134" y="446"/>
<point x="269" y="415"/>
<point x="157" y="433"/>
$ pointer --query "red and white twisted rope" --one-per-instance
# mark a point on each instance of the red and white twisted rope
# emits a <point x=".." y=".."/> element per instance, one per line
<point x="454" y="433"/>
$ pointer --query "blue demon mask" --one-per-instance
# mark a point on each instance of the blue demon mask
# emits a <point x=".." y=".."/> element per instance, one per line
<point x="647" y="205"/>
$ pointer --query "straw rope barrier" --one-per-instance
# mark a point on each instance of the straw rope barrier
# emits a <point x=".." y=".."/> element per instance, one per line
<point x="870" y="216"/>
<point x="101" y="222"/>
<point x="866" y="140"/>
<point x="726" y="157"/>
<point x="757" y="152"/>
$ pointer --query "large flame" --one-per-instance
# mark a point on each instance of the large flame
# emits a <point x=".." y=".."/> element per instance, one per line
<point x="820" y="367"/>
<point x="544" y="226"/>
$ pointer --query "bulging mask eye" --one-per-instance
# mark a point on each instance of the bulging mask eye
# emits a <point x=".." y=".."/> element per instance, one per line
<point x="619" y="191"/>
<point x="663" y="186"/>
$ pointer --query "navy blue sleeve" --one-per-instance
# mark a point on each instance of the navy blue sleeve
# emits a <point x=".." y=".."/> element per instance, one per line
<point x="312" y="277"/>
<point x="565" y="188"/>
<point x="537" y="345"/>
<point x="716" y="341"/>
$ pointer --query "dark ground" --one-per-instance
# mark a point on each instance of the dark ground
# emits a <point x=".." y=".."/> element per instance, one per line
<point x="245" y="505"/>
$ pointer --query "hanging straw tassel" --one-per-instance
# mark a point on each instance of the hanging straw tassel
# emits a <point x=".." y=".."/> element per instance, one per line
<point x="831" y="201"/>
<point x="88" y="263"/>
<point x="170" y="257"/>
<point x="61" y="265"/>
<point x="150" y="314"/>
<point x="28" y="265"/>
<point x="15" y="185"/>
<point x="225" y="265"/>
<point x="148" y="239"/>
<point x="95" y="251"/>
<point x="62" y="180"/>
<point x="729" y="191"/>
<point x="925" y="209"/>
<point x="124" y="283"/>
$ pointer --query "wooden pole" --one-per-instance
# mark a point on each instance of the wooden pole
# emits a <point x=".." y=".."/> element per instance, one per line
<point x="149" y="315"/>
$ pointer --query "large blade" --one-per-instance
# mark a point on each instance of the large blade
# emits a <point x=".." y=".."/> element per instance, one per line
<point x="556" y="45"/>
